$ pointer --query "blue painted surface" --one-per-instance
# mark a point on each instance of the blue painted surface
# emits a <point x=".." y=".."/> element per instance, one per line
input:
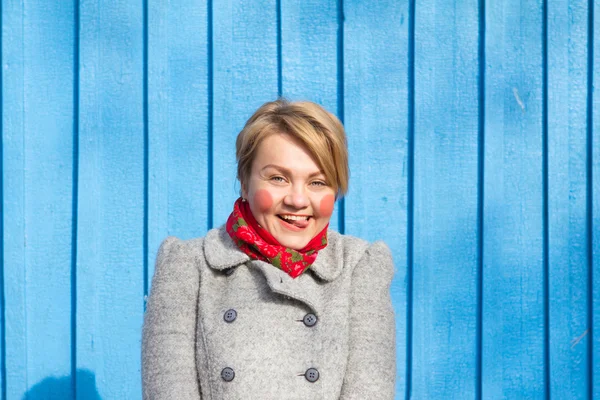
<point x="513" y="330"/>
<point x="178" y="123"/>
<point x="444" y="345"/>
<point x="375" y="75"/>
<point x="567" y="200"/>
<point x="110" y="234"/>
<point x="593" y="195"/>
<point x="60" y="388"/>
<point x="13" y="202"/>
<point x="474" y="152"/>
<point x="38" y="138"/>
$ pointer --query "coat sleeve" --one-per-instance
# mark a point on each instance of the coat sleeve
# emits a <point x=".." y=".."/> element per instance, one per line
<point x="371" y="370"/>
<point x="169" y="332"/>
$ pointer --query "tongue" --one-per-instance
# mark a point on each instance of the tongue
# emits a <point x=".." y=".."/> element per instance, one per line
<point x="301" y="223"/>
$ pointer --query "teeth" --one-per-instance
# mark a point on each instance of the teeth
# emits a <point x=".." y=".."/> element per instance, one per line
<point x="294" y="217"/>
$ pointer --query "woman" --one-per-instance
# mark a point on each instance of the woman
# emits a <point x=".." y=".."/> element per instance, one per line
<point x="273" y="305"/>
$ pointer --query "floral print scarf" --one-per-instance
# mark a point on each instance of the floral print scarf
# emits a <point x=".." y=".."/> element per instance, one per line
<point x="259" y="244"/>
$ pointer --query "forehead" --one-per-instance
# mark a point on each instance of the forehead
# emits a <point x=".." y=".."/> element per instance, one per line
<point x="285" y="151"/>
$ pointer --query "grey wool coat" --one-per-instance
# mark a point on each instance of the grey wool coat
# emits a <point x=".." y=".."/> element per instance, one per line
<point x="219" y="325"/>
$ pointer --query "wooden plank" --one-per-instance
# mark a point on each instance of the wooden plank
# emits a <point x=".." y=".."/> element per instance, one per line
<point x="13" y="141"/>
<point x="245" y="77"/>
<point x="567" y="209"/>
<point x="111" y="196"/>
<point x="37" y="113"/>
<point x="309" y="51"/>
<point x="178" y="122"/>
<point x="445" y="201"/>
<point x="376" y="110"/>
<point x="513" y="336"/>
<point x="594" y="197"/>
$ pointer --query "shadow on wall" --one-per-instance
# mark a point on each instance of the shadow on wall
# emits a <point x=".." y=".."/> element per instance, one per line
<point x="53" y="388"/>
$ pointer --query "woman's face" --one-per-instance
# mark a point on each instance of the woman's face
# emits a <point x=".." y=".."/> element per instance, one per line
<point x="287" y="192"/>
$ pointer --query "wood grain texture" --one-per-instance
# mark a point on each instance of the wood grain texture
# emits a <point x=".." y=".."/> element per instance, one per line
<point x="513" y="303"/>
<point x="245" y="77"/>
<point x="376" y="120"/>
<point x="178" y="122"/>
<point x="594" y="198"/>
<point x="445" y="200"/>
<point x="13" y="143"/>
<point x="309" y="50"/>
<point x="567" y="208"/>
<point x="38" y="144"/>
<point x="111" y="196"/>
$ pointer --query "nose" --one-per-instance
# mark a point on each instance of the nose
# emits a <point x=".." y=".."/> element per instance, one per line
<point x="296" y="198"/>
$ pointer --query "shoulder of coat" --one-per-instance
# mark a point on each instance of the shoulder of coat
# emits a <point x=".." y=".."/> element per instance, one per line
<point x="353" y="248"/>
<point x="189" y="248"/>
<point x="348" y="243"/>
<point x="349" y="248"/>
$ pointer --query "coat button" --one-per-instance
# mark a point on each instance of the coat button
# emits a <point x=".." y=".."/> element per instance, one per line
<point x="230" y="315"/>
<point x="227" y="374"/>
<point x="311" y="375"/>
<point x="310" y="320"/>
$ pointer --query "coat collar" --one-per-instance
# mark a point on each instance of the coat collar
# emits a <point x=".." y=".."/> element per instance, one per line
<point x="222" y="253"/>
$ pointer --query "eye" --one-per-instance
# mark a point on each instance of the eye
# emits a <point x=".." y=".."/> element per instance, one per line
<point x="277" y="178"/>
<point x="318" y="183"/>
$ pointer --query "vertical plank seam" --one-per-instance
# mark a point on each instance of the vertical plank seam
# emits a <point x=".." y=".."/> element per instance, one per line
<point x="480" y="200"/>
<point x="590" y="197"/>
<point x="146" y="148"/>
<point x="340" y="96"/>
<point x="210" y="132"/>
<point x="410" y="195"/>
<point x="279" y="50"/>
<point x="75" y="197"/>
<point x="545" y="210"/>
<point x="2" y="296"/>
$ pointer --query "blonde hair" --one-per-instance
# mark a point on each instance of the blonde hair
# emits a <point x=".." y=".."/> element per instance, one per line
<point x="316" y="128"/>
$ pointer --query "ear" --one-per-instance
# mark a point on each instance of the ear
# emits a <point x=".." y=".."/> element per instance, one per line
<point x="244" y="191"/>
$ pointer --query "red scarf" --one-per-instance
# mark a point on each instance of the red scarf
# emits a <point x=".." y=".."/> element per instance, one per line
<point x="259" y="244"/>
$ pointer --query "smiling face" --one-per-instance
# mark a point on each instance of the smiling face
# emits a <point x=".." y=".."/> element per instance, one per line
<point x="287" y="192"/>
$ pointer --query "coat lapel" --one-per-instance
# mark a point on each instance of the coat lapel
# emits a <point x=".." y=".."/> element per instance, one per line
<point x="222" y="253"/>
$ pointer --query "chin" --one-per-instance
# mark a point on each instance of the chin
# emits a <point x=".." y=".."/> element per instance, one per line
<point x="295" y="244"/>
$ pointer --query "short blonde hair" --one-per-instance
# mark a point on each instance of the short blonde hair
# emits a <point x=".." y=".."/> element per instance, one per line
<point x="316" y="128"/>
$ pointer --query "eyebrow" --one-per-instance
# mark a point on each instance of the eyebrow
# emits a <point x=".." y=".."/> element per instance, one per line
<point x="288" y="172"/>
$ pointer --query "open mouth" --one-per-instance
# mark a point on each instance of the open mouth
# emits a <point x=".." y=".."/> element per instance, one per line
<point x="299" y="221"/>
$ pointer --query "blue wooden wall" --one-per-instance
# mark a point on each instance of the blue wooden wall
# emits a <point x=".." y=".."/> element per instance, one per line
<point x="474" y="134"/>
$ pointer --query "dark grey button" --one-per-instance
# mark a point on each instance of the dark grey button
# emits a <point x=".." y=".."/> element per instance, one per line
<point x="311" y="375"/>
<point x="310" y="319"/>
<point x="227" y="374"/>
<point x="228" y="271"/>
<point x="230" y="315"/>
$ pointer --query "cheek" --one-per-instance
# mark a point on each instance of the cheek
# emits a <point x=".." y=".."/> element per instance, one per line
<point x="263" y="200"/>
<point x="326" y="206"/>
